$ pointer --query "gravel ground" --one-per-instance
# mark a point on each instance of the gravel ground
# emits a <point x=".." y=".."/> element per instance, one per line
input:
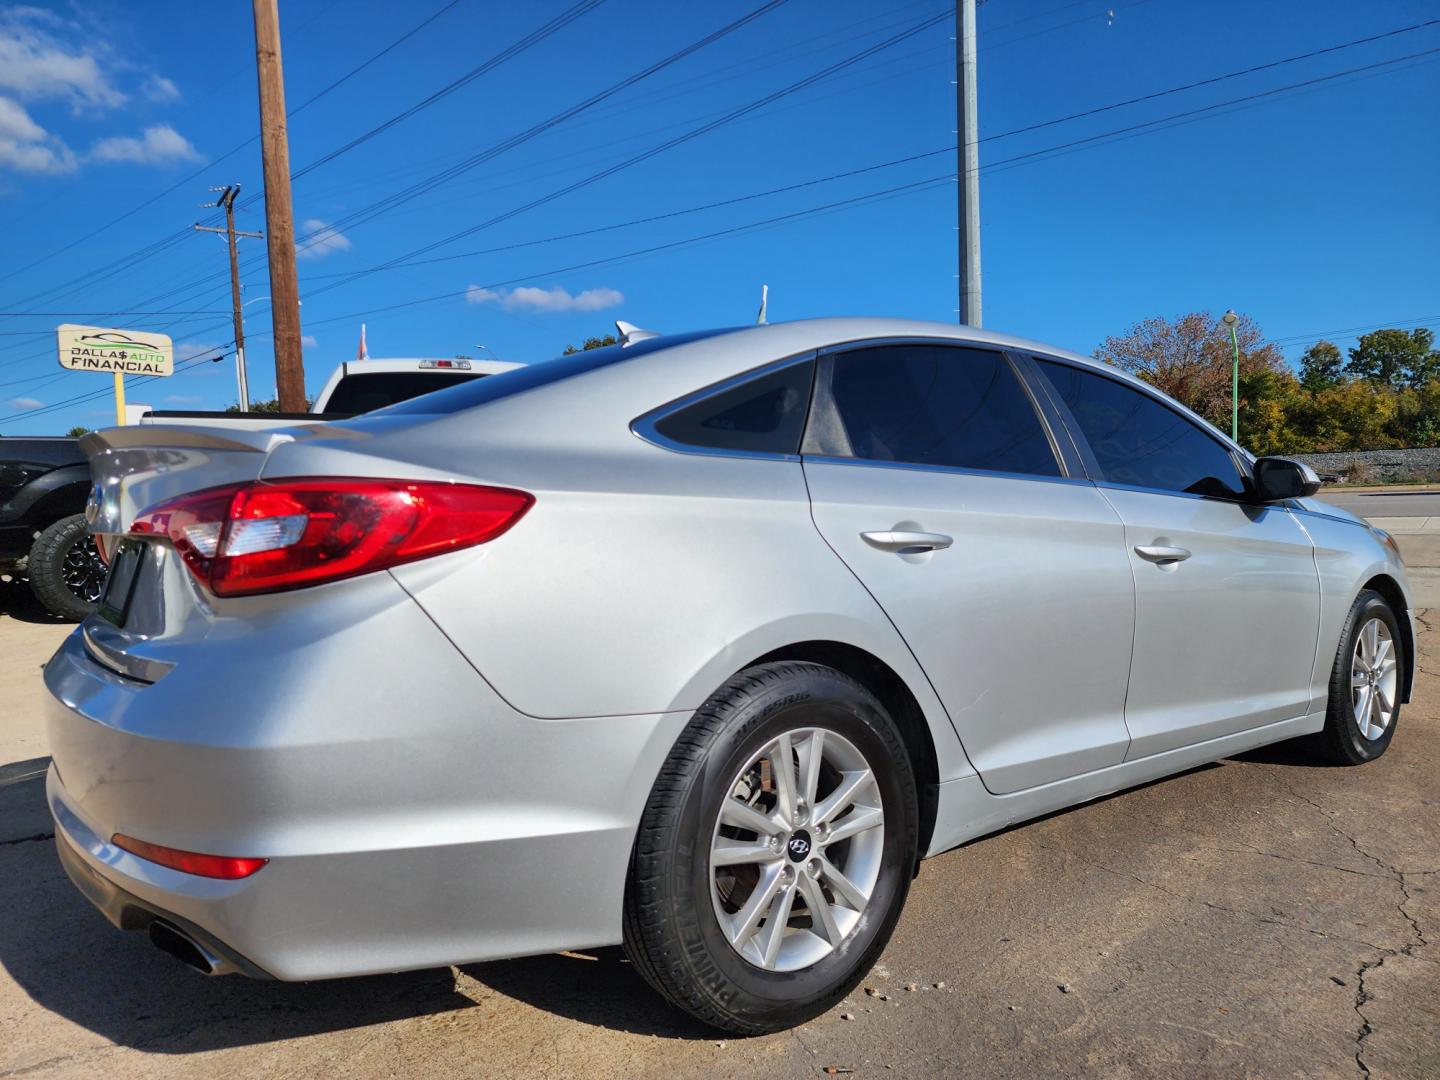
<point x="1263" y="916"/>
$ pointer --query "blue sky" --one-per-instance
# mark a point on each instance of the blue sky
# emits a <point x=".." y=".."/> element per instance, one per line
<point x="1312" y="209"/>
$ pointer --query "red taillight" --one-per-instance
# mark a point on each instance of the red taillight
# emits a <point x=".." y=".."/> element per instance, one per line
<point x="190" y="862"/>
<point x="264" y="537"/>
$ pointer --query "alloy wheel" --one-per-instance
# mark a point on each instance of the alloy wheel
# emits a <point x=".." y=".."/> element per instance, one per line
<point x="83" y="571"/>
<point x="797" y="849"/>
<point x="1374" y="679"/>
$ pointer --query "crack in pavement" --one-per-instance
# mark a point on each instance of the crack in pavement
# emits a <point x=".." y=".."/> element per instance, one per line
<point x="28" y="839"/>
<point x="1362" y="995"/>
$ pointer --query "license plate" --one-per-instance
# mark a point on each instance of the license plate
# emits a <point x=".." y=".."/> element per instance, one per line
<point x="120" y="582"/>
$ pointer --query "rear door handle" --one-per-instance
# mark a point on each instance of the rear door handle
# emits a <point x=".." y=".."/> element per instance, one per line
<point x="907" y="542"/>
<point x="1159" y="554"/>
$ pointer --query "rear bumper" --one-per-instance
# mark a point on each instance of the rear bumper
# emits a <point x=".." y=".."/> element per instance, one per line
<point x="411" y="817"/>
<point x="77" y="846"/>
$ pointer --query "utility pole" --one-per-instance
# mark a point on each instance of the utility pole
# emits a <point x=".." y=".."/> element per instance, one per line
<point x="227" y="200"/>
<point x="279" y="216"/>
<point x="967" y="155"/>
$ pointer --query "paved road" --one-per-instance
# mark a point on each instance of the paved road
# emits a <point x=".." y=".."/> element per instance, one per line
<point x="1386" y="504"/>
<point x="1262" y="916"/>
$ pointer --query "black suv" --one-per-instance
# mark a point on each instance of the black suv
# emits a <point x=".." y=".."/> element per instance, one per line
<point x="44" y="483"/>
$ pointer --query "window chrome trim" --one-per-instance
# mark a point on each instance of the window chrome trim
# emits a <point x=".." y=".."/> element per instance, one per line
<point x="644" y="426"/>
<point x="959" y="470"/>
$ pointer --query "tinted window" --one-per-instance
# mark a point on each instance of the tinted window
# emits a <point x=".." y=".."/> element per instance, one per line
<point x="933" y="405"/>
<point x="766" y="414"/>
<point x="375" y="389"/>
<point x="1137" y="440"/>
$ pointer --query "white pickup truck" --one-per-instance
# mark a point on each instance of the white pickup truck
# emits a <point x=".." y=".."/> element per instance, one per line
<point x="356" y="386"/>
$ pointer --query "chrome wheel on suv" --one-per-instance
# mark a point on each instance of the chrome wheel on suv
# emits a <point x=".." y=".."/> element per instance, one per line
<point x="797" y="849"/>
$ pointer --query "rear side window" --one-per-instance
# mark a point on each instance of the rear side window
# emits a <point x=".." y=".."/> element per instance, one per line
<point x="932" y="405"/>
<point x="370" y="390"/>
<point x="1138" y="440"/>
<point x="765" y="415"/>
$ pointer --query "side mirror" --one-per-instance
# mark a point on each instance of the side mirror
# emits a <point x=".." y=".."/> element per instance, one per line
<point x="1278" y="478"/>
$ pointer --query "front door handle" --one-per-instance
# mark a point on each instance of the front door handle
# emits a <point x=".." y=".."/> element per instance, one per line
<point x="907" y="543"/>
<point x="1160" y="554"/>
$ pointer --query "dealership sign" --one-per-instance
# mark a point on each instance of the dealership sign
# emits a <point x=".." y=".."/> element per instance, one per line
<point x="119" y="352"/>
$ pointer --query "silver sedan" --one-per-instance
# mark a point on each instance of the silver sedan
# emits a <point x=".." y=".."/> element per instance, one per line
<point x="695" y="643"/>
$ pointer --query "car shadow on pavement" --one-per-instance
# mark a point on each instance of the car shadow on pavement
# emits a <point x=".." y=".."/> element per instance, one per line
<point x="69" y="960"/>
<point x="594" y="986"/>
<point x="1291" y="752"/>
<point x="18" y="602"/>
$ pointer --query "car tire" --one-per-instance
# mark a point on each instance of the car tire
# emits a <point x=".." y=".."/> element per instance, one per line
<point x="65" y="570"/>
<point x="1358" y="728"/>
<point x="685" y="902"/>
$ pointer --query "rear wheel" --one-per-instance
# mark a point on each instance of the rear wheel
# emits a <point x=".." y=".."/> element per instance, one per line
<point x="65" y="570"/>
<point x="776" y="850"/>
<point x="1365" y="684"/>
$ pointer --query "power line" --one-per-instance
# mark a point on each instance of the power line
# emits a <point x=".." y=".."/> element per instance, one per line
<point x="375" y="209"/>
<point x="402" y="261"/>
<point x="413" y="191"/>
<point x="668" y="144"/>
<point x="564" y="19"/>
<point x="947" y="177"/>
<point x="182" y="233"/>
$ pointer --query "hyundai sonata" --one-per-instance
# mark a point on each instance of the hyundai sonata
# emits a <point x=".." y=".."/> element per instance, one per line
<point x="695" y="643"/>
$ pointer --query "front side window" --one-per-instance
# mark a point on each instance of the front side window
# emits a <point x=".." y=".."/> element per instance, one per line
<point x="1138" y="440"/>
<point x="932" y="405"/>
<point x="765" y="415"/>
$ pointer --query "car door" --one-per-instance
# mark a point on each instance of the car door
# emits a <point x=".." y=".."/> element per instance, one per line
<point x="935" y="479"/>
<point x="1227" y="597"/>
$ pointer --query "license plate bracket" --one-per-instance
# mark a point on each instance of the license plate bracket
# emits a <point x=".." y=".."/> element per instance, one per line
<point x="114" y="603"/>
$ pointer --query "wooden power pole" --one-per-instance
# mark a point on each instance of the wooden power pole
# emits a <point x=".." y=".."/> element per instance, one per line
<point x="227" y="200"/>
<point x="279" y="215"/>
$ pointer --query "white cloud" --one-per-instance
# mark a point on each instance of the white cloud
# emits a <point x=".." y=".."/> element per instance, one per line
<point x="26" y="402"/>
<point x="183" y="399"/>
<point x="35" y="64"/>
<point x="317" y="238"/>
<point x="159" y="89"/>
<point x="159" y="144"/>
<point x="307" y="341"/>
<point x="27" y="147"/>
<point x="191" y="350"/>
<point x="529" y="298"/>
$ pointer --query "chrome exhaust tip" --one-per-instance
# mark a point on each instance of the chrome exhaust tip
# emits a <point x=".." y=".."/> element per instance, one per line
<point x="170" y="939"/>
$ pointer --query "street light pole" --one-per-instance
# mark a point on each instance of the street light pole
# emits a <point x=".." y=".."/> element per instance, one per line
<point x="1230" y="319"/>
<point x="967" y="162"/>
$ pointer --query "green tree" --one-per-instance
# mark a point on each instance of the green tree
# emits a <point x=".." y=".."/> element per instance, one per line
<point x="77" y="431"/>
<point x="1271" y="401"/>
<point x="1395" y="358"/>
<point x="1321" y="367"/>
<point x="268" y="405"/>
<point x="591" y="343"/>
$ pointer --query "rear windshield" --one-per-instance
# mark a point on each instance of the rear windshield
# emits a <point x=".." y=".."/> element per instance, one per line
<point x="518" y="380"/>
<point x="373" y="390"/>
